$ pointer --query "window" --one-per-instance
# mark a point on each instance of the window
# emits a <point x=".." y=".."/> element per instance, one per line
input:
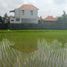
<point x="23" y="12"/>
<point x="17" y="19"/>
<point x="31" y="12"/>
<point x="12" y="20"/>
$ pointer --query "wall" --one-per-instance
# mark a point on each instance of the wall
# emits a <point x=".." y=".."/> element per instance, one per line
<point x="38" y="26"/>
<point x="55" y="25"/>
<point x="27" y="15"/>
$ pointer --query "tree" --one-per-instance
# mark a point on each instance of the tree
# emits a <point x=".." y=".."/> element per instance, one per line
<point x="6" y="21"/>
<point x="5" y="18"/>
<point x="1" y="19"/>
<point x="63" y="18"/>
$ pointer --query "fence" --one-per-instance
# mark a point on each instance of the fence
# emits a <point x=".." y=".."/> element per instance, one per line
<point x="46" y="25"/>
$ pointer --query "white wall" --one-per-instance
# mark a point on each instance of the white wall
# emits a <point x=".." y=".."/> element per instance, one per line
<point x="27" y="15"/>
<point x="13" y="20"/>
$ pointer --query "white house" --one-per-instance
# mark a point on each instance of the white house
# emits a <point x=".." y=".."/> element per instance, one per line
<point x="26" y="13"/>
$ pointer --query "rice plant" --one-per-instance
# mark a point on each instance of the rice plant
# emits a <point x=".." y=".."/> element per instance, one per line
<point x="48" y="54"/>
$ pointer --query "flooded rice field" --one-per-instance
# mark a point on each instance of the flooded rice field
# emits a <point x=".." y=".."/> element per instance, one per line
<point x="48" y="54"/>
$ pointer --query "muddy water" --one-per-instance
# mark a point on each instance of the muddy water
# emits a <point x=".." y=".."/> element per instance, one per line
<point x="49" y="54"/>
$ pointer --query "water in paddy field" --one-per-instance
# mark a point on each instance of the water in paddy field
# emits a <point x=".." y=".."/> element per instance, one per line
<point x="52" y="54"/>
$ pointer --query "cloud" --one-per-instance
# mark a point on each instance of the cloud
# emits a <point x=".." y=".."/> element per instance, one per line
<point x="7" y="5"/>
<point x="60" y="2"/>
<point x="46" y="7"/>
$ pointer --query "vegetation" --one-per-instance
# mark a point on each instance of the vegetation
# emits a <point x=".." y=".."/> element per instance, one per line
<point x="4" y="21"/>
<point x="26" y="40"/>
<point x="1" y="20"/>
<point x="47" y="55"/>
<point x="63" y="18"/>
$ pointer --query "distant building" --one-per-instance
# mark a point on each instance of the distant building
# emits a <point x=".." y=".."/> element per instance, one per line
<point x="26" y="13"/>
<point x="50" y="19"/>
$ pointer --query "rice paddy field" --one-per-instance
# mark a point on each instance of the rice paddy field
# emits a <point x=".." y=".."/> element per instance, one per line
<point x="33" y="48"/>
<point x="27" y="39"/>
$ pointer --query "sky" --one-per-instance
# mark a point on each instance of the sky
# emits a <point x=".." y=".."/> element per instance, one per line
<point x="46" y="7"/>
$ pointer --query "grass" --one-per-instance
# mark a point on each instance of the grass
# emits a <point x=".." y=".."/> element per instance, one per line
<point x="26" y="40"/>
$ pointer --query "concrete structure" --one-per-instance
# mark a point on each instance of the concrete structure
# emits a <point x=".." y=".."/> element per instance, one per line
<point x="26" y="13"/>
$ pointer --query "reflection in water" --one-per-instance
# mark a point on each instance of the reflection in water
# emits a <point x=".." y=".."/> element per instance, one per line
<point x="52" y="54"/>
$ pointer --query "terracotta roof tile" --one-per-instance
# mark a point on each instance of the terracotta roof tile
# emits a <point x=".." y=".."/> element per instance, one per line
<point x="50" y="18"/>
<point x="28" y="7"/>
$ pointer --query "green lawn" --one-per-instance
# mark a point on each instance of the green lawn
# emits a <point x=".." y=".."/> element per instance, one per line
<point x="26" y="40"/>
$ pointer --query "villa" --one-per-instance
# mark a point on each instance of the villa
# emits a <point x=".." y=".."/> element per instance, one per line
<point x="26" y="13"/>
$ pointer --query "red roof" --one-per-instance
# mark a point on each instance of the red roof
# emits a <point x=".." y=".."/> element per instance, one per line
<point x="28" y="7"/>
<point x="50" y="18"/>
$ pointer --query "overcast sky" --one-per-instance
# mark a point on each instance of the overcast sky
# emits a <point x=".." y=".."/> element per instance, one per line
<point x="46" y="7"/>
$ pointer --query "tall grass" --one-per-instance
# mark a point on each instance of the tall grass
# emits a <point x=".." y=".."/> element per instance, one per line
<point x="48" y="54"/>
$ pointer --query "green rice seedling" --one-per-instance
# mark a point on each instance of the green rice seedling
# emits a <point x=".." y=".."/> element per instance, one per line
<point x="48" y="54"/>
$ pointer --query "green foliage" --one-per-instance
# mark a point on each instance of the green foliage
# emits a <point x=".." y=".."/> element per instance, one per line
<point x="63" y="18"/>
<point x="1" y="19"/>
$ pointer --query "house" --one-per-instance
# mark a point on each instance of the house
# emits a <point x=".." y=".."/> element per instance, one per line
<point x="26" y="13"/>
<point x="50" y="19"/>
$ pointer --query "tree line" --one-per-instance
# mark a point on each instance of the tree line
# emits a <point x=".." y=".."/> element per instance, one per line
<point x="4" y="21"/>
<point x="63" y="18"/>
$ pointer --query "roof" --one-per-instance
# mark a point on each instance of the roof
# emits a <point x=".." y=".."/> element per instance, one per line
<point x="28" y="7"/>
<point x="50" y="18"/>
